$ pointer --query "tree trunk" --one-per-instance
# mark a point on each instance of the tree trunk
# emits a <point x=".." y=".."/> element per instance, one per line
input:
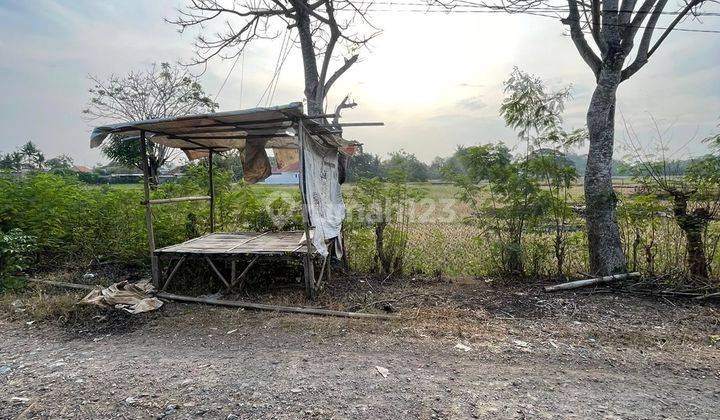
<point x="312" y="77"/>
<point x="696" y="252"/>
<point x="514" y="257"/>
<point x="692" y="224"/>
<point x="605" y="248"/>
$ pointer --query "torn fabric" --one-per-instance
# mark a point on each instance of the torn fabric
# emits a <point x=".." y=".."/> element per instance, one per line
<point x="255" y="162"/>
<point x="286" y="159"/>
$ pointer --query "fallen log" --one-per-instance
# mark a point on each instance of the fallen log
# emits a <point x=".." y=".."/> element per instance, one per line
<point x="589" y="282"/>
<point x="236" y="304"/>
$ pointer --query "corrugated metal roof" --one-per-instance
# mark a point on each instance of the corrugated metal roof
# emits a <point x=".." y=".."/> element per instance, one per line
<point x="275" y="127"/>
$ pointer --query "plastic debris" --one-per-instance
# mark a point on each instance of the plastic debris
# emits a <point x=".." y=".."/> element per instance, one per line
<point x="383" y="371"/>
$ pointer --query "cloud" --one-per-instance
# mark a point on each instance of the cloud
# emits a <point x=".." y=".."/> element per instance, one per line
<point x="473" y="103"/>
<point x="430" y="92"/>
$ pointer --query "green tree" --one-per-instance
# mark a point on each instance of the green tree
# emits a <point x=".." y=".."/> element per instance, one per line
<point x="32" y="156"/>
<point x="157" y="92"/>
<point x="60" y="163"/>
<point x="407" y="164"/>
<point x="536" y="114"/>
<point x="364" y="166"/>
<point x="558" y="174"/>
<point x="11" y="162"/>
<point x="503" y="195"/>
<point x="623" y="36"/>
<point x="695" y="199"/>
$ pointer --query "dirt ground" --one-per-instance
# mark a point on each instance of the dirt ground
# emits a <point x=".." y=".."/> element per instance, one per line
<point x="460" y="349"/>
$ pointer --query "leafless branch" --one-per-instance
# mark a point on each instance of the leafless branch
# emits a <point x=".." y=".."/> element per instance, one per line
<point x="345" y="104"/>
<point x="578" y="37"/>
<point x="322" y="25"/>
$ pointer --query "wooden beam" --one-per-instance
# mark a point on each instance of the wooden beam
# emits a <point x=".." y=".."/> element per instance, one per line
<point x="154" y="267"/>
<point x="233" y="280"/>
<point x="176" y="200"/>
<point x="308" y="270"/>
<point x="64" y="284"/>
<point x="276" y="308"/>
<point x="212" y="191"/>
<point x="172" y="273"/>
<point x="219" y="274"/>
<point x="589" y="282"/>
<point x="237" y="304"/>
<point x="355" y="124"/>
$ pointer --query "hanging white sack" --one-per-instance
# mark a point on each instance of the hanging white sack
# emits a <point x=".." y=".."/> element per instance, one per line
<point x="322" y="189"/>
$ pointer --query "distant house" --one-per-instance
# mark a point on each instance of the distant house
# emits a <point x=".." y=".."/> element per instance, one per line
<point x="81" y="169"/>
<point x="289" y="175"/>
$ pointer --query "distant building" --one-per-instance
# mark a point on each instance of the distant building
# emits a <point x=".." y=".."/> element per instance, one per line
<point x="282" y="178"/>
<point x="289" y="175"/>
<point x="81" y="169"/>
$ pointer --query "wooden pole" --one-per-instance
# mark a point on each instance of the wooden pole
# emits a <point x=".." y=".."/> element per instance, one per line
<point x="176" y="200"/>
<point x="212" y="192"/>
<point x="236" y="304"/>
<point x="263" y="307"/>
<point x="308" y="268"/>
<point x="148" y="214"/>
<point x="589" y="282"/>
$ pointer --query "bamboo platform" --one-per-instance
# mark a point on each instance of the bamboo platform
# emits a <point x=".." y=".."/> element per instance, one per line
<point x="237" y="244"/>
<point x="245" y="248"/>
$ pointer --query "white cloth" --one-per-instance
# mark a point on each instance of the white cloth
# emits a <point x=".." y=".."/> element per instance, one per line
<point x="322" y="189"/>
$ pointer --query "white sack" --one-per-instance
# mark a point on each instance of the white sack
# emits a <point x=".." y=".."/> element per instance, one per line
<point x="322" y="189"/>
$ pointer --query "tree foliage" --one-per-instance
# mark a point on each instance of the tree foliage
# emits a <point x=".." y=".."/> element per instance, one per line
<point x="28" y="156"/>
<point x="516" y="195"/>
<point x="384" y="206"/>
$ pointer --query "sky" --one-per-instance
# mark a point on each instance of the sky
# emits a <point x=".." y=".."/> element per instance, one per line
<point x="435" y="80"/>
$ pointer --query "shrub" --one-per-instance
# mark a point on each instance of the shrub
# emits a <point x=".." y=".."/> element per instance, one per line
<point x="384" y="207"/>
<point x="16" y="255"/>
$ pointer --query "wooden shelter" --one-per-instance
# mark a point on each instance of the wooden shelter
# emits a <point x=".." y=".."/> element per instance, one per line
<point x="283" y="128"/>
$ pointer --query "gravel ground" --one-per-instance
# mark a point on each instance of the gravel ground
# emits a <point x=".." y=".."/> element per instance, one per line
<point x="459" y="350"/>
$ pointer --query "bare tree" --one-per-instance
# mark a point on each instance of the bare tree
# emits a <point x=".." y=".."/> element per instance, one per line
<point x="320" y="27"/>
<point x="156" y="92"/>
<point x="614" y="27"/>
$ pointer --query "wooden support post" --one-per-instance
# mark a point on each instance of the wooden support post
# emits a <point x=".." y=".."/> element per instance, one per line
<point x="172" y="273"/>
<point x="308" y="269"/>
<point x="325" y="265"/>
<point x="241" y="277"/>
<point x="155" y="269"/>
<point x="212" y="192"/>
<point x="219" y="274"/>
